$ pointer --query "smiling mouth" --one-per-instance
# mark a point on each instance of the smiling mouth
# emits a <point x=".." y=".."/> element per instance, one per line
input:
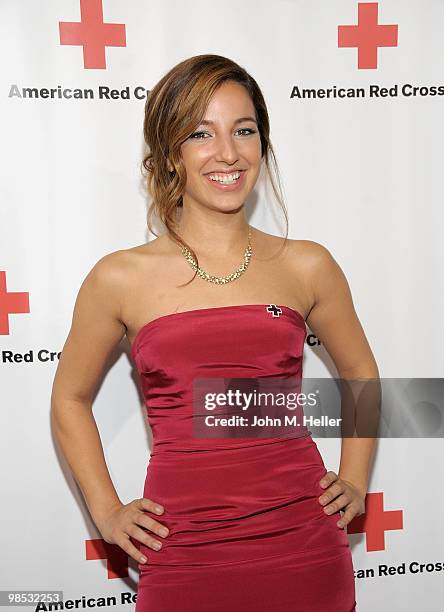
<point x="225" y="178"/>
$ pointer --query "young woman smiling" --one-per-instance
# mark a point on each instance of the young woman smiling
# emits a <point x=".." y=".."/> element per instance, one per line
<point x="235" y="522"/>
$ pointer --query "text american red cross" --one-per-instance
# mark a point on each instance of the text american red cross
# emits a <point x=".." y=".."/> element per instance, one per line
<point x="92" y="33"/>
<point x="368" y="35"/>
<point x="375" y="522"/>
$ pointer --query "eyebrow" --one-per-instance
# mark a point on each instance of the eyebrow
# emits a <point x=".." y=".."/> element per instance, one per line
<point x="240" y="120"/>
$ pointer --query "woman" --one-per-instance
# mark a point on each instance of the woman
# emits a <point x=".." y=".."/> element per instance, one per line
<point x="252" y="523"/>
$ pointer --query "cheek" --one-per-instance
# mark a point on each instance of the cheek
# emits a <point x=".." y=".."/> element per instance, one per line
<point x="255" y="169"/>
<point x="253" y="149"/>
<point x="255" y="163"/>
<point x="193" y="164"/>
<point x="195" y="182"/>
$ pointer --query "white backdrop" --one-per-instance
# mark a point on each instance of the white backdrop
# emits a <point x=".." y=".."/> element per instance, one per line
<point x="362" y="175"/>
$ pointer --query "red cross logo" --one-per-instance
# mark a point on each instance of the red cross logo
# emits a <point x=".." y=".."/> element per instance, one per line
<point x="376" y="521"/>
<point x="10" y="303"/>
<point x="92" y="33"/>
<point x="368" y="35"/>
<point x="116" y="557"/>
<point x="275" y="310"/>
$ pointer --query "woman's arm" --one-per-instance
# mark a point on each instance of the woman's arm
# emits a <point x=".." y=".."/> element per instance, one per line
<point x="95" y="332"/>
<point x="334" y="321"/>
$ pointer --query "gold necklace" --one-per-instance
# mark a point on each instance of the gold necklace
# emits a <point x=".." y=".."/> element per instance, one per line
<point x="221" y="280"/>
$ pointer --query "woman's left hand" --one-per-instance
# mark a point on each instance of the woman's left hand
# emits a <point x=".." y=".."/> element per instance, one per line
<point x="341" y="495"/>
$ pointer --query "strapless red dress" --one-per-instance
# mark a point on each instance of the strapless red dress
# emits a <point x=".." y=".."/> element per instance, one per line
<point x="247" y="532"/>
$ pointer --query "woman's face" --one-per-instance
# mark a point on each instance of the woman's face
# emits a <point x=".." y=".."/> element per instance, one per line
<point x="223" y="156"/>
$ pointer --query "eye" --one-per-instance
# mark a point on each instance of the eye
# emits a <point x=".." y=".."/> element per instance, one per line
<point x="249" y="130"/>
<point x="198" y="135"/>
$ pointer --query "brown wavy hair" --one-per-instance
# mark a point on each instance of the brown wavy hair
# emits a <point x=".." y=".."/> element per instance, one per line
<point x="174" y="108"/>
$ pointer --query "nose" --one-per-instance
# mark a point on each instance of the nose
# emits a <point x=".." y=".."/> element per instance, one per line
<point x="226" y="150"/>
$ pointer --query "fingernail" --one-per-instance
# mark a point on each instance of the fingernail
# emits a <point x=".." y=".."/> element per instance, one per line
<point x="157" y="545"/>
<point x="328" y="510"/>
<point x="163" y="531"/>
<point x="158" y="509"/>
<point x="143" y="559"/>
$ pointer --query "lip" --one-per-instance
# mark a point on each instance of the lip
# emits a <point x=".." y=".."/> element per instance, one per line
<point x="232" y="186"/>
<point x="226" y="171"/>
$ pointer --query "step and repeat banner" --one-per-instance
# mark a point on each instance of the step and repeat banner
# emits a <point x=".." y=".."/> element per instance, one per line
<point x="355" y="92"/>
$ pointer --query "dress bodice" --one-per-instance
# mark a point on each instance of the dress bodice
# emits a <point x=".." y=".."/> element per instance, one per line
<point x="241" y="341"/>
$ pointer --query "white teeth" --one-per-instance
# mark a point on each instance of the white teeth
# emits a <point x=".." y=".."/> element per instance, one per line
<point x="225" y="178"/>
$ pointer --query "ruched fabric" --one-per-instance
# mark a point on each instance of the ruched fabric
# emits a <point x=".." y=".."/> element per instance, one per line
<point x="247" y="532"/>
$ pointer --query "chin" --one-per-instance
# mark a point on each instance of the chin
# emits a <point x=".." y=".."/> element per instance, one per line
<point x="229" y="207"/>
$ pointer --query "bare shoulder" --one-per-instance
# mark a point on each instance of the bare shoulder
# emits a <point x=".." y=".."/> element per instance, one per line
<point x="117" y="271"/>
<point x="332" y="316"/>
<point x="305" y="253"/>
<point x="316" y="265"/>
<point x="312" y="256"/>
<point x="108" y="286"/>
<point x="319" y="273"/>
<point x="111" y="269"/>
<point x="98" y="321"/>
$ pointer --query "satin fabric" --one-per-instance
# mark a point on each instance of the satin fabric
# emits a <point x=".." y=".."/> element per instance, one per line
<point x="247" y="532"/>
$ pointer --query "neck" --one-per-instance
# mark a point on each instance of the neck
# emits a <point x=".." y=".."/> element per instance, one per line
<point x="215" y="237"/>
